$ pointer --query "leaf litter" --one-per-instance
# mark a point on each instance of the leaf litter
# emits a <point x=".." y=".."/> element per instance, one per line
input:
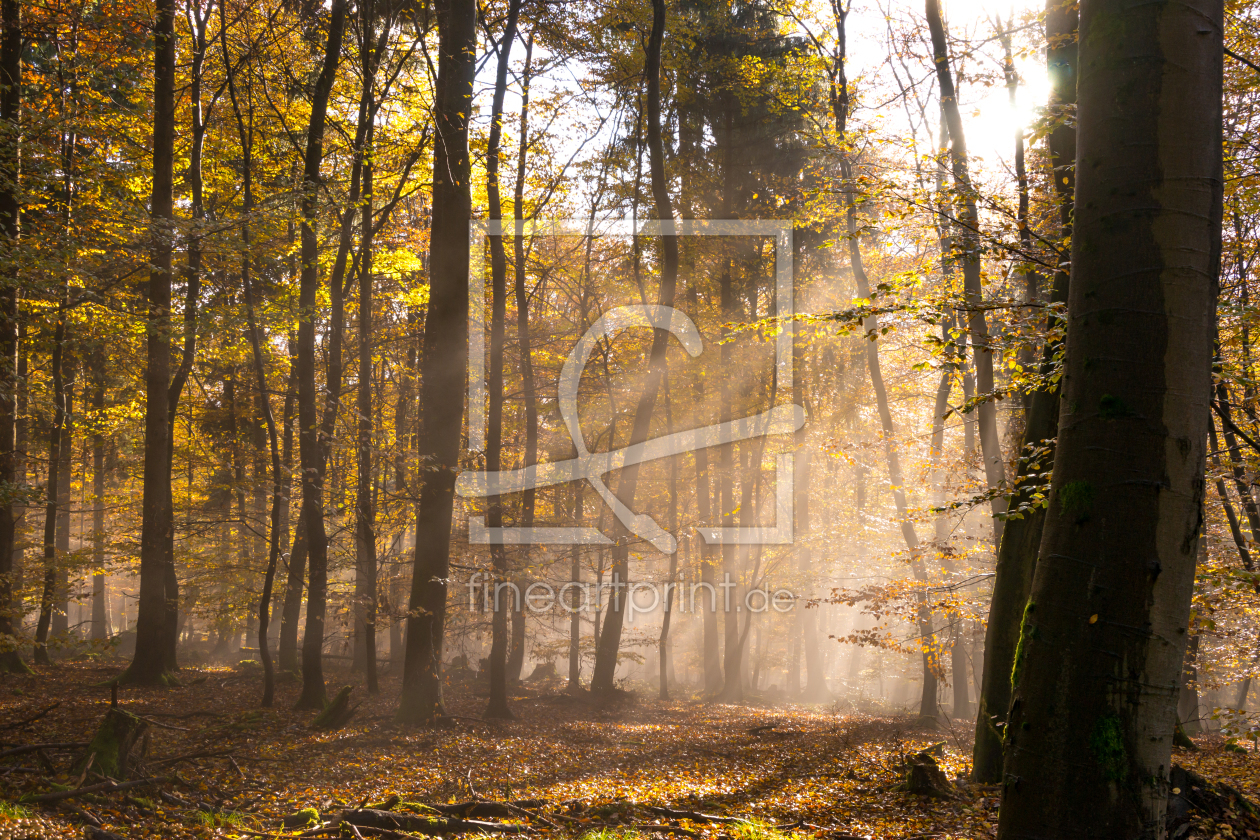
<point x="567" y="766"/>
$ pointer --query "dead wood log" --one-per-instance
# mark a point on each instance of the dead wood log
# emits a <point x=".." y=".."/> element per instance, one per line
<point x="394" y="821"/>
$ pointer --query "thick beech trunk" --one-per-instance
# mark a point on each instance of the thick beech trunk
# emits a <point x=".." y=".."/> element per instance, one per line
<point x="1099" y="661"/>
<point x="150" y="664"/>
<point x="443" y="362"/>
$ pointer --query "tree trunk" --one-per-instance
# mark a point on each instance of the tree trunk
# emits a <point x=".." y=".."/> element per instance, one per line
<point x="610" y="638"/>
<point x="671" y="581"/>
<point x="295" y="567"/>
<point x="100" y="596"/>
<point x="1101" y="647"/>
<point x="311" y="446"/>
<point x="498" y="705"/>
<point x="365" y="582"/>
<point x="48" y="597"/>
<point x="1017" y="553"/>
<point x="149" y="665"/>
<point x="10" y="220"/>
<point x="61" y="608"/>
<point x="245" y="134"/>
<point x="839" y="96"/>
<point x="516" y="656"/>
<point x="576" y="605"/>
<point x="443" y="362"/>
<point x="969" y="258"/>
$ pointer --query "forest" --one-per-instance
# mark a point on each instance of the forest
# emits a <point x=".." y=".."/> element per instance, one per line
<point x="712" y="419"/>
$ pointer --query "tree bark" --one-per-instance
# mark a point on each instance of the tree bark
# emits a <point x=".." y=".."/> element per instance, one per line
<point x="150" y="665"/>
<point x="839" y="96"/>
<point x="498" y="704"/>
<point x="100" y="596"/>
<point x="295" y="568"/>
<point x="969" y="258"/>
<point x="365" y="583"/>
<point x="443" y="362"/>
<point x="61" y="553"/>
<point x="311" y="445"/>
<point x="10" y="232"/>
<point x="610" y="638"/>
<point x="516" y="656"/>
<point x="1099" y="660"/>
<point x="1017" y="553"/>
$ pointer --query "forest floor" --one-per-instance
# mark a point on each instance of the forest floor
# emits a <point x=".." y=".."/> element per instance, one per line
<point x="231" y="769"/>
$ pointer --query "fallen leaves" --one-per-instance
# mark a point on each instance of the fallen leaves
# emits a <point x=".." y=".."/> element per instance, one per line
<point x="643" y="767"/>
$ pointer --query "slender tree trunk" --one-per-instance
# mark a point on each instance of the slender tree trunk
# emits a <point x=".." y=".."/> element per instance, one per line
<point x="64" y="466"/>
<point x="245" y="134"/>
<point x="516" y="656"/>
<point x="498" y="705"/>
<point x="969" y="258"/>
<point x="671" y="581"/>
<point x="295" y="571"/>
<point x="610" y="638"/>
<point x="1031" y="277"/>
<point x="365" y="510"/>
<point x="839" y="96"/>
<point x="100" y="596"/>
<point x="816" y="689"/>
<point x="405" y="436"/>
<point x="443" y="362"/>
<point x="10" y="384"/>
<point x="1103" y="637"/>
<point x="53" y="486"/>
<point x="312" y="447"/>
<point x="576" y="604"/>
<point x="710" y="654"/>
<point x="1235" y="530"/>
<point x="1017" y="554"/>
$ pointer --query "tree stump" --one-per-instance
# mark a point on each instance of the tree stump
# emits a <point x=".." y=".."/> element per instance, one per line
<point x="110" y="750"/>
<point x="924" y="778"/>
<point x="337" y="713"/>
<point x="545" y="671"/>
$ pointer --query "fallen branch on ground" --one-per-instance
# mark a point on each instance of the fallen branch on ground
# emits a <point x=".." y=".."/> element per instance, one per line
<point x="31" y="719"/>
<point x="694" y="816"/>
<point x="103" y="787"/>
<point x="30" y="748"/>
<point x="371" y="818"/>
<point x="186" y="715"/>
